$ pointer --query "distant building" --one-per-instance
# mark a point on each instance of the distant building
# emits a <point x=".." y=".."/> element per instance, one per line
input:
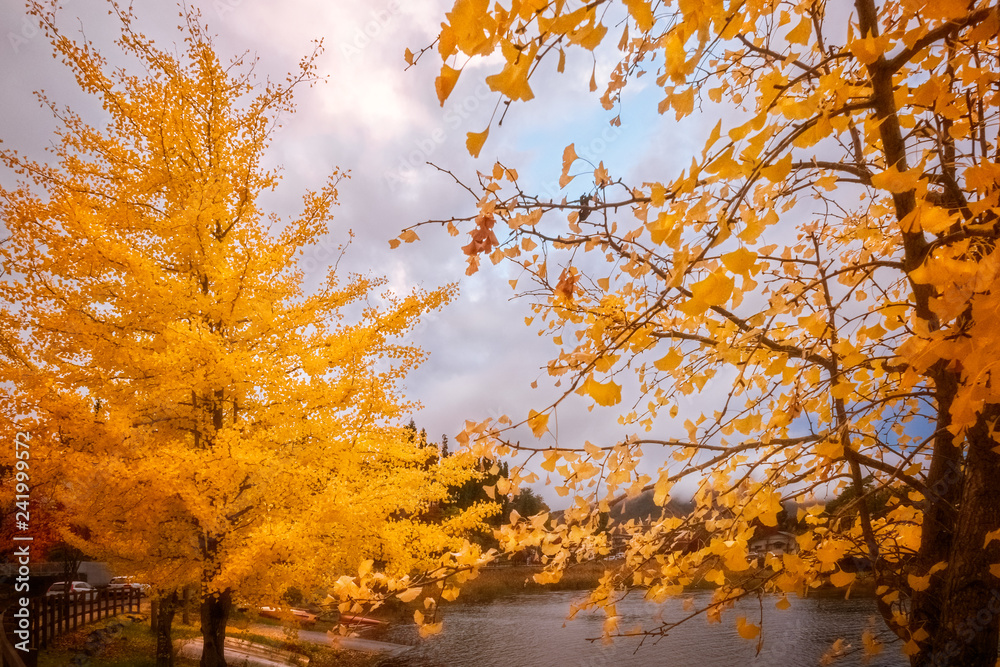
<point x="94" y="573"/>
<point x="776" y="542"/>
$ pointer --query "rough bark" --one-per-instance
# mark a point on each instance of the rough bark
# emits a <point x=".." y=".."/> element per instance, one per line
<point x="164" y="621"/>
<point x="968" y="627"/>
<point x="215" y="610"/>
<point x="186" y="606"/>
<point x="941" y="503"/>
<point x="957" y="618"/>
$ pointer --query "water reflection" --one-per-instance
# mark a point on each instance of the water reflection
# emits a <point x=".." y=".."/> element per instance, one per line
<point x="530" y="630"/>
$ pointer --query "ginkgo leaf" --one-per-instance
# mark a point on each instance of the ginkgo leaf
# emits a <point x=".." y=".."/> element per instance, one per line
<point x="740" y="260"/>
<point x="990" y="536"/>
<point x="469" y="22"/>
<point x="474" y="141"/>
<point x="669" y="361"/>
<point x="745" y="629"/>
<point x="895" y="181"/>
<point x="409" y="595"/>
<point x="538" y="423"/>
<point x="800" y="34"/>
<point x="590" y="37"/>
<point x="868" y="49"/>
<point x="832" y="449"/>
<point x="428" y="629"/>
<point x="661" y="491"/>
<point x="513" y="80"/>
<point x="683" y="103"/>
<point x="642" y="13"/>
<point x="714" y="290"/>
<point x="569" y="156"/>
<point x="606" y="393"/>
<point x="445" y="82"/>
<point x="841" y="579"/>
<point x="918" y="583"/>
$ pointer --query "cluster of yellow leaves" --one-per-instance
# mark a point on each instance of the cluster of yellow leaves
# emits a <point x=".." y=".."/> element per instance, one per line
<point x="827" y="265"/>
<point x="435" y="581"/>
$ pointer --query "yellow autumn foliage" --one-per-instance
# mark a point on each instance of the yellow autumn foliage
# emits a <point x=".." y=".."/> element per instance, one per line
<point x="200" y="417"/>
<point x="806" y="308"/>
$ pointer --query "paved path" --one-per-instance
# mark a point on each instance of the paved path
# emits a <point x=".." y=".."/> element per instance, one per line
<point x="245" y="653"/>
<point x="370" y="645"/>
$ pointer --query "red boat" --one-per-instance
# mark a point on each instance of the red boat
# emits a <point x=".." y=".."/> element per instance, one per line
<point x="302" y="616"/>
<point x="350" y="619"/>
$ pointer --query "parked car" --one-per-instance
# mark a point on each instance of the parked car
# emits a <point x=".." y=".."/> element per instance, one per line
<point x="60" y="588"/>
<point x="127" y="584"/>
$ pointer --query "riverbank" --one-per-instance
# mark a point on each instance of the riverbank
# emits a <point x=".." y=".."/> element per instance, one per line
<point x="495" y="582"/>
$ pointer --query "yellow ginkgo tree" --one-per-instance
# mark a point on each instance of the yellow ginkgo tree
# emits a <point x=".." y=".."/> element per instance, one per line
<point x="199" y="418"/>
<point x="823" y="271"/>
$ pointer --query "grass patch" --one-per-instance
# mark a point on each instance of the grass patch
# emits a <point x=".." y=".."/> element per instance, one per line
<point x="127" y="641"/>
<point x="327" y="656"/>
<point x="120" y="641"/>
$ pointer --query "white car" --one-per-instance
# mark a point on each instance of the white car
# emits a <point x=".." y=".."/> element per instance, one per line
<point x="125" y="584"/>
<point x="61" y="588"/>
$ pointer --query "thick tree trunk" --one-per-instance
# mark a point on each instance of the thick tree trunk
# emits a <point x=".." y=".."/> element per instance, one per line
<point x="164" y="621"/>
<point x="214" y="616"/>
<point x="967" y="612"/>
<point x="942" y="499"/>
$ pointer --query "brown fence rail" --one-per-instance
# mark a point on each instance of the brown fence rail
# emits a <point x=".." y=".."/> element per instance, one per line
<point x="51" y="616"/>
<point x="9" y="656"/>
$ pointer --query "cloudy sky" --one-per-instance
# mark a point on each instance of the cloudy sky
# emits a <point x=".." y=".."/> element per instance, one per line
<point x="383" y="123"/>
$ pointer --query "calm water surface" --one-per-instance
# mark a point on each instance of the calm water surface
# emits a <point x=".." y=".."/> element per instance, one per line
<point x="531" y="630"/>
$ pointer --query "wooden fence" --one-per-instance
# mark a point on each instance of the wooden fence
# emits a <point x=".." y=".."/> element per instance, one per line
<point x="49" y="617"/>
<point x="9" y="656"/>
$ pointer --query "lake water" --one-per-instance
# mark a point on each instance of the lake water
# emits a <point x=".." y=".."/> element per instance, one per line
<point x="531" y="630"/>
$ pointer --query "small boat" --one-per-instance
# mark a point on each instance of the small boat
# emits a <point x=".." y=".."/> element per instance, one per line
<point x="300" y="615"/>
<point x="350" y="619"/>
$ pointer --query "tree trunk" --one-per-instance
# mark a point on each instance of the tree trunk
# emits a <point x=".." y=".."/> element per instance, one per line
<point x="214" y="616"/>
<point x="968" y="611"/>
<point x="164" y="621"/>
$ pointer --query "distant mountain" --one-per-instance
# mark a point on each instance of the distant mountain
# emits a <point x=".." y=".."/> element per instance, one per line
<point x="642" y="508"/>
